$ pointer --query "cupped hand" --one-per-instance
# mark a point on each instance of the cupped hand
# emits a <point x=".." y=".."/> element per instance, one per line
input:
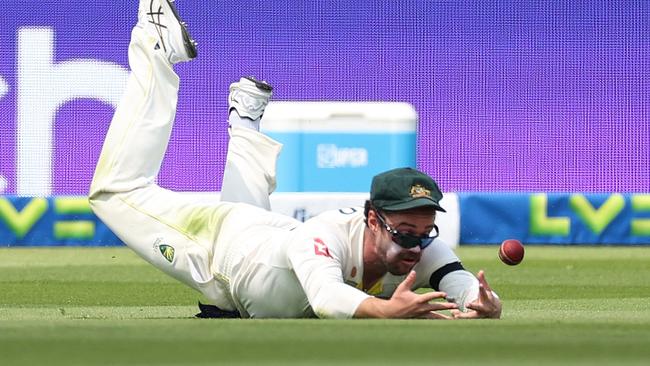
<point x="487" y="305"/>
<point x="407" y="304"/>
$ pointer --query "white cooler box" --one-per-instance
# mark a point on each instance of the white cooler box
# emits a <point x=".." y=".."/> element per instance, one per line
<point x="339" y="146"/>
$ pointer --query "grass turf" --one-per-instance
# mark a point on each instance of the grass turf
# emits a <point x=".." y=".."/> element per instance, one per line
<point x="98" y="306"/>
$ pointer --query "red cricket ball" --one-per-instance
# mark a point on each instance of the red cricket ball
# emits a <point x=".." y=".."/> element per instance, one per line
<point x="511" y="252"/>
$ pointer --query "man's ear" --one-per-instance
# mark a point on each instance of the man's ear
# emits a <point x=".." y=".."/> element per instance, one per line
<point x="373" y="221"/>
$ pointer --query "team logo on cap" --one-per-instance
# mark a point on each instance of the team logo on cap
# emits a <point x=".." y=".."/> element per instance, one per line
<point x="418" y="191"/>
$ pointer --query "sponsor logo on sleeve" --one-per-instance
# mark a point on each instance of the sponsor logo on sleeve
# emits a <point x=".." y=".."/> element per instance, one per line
<point x="320" y="248"/>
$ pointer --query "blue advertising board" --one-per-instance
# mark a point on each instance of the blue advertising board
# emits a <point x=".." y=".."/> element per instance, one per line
<point x="485" y="218"/>
<point x="52" y="221"/>
<point x="555" y="218"/>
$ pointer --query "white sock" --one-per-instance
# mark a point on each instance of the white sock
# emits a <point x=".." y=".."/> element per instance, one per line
<point x="235" y="120"/>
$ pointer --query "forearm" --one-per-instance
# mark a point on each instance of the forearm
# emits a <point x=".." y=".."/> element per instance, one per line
<point x="335" y="300"/>
<point x="373" y="307"/>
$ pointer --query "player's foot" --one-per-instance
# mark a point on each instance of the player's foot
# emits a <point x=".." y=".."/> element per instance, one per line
<point x="161" y="19"/>
<point x="247" y="100"/>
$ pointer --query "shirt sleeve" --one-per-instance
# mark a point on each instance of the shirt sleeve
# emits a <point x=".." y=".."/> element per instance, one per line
<point x="317" y="261"/>
<point x="441" y="269"/>
<point x="461" y="287"/>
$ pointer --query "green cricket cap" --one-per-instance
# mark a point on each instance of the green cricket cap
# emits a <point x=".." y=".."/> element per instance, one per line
<point x="403" y="189"/>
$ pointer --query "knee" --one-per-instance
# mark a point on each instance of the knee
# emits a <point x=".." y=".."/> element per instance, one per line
<point x="94" y="199"/>
<point x="101" y="203"/>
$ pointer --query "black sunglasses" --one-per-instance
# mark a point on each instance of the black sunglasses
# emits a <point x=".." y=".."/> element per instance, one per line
<point x="409" y="241"/>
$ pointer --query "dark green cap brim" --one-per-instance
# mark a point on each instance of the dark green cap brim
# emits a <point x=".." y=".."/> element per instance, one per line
<point x="401" y="205"/>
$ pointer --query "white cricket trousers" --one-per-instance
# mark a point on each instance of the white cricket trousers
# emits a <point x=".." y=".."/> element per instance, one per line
<point x="175" y="232"/>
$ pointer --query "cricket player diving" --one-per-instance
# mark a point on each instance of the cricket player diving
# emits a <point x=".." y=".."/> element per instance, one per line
<point x="247" y="261"/>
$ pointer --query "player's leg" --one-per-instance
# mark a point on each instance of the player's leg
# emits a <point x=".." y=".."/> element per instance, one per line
<point x="148" y="104"/>
<point x="170" y="230"/>
<point x="249" y="175"/>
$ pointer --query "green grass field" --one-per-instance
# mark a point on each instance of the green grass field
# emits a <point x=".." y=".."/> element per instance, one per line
<point x="91" y="306"/>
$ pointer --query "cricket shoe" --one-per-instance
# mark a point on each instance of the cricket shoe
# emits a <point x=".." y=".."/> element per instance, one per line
<point x="249" y="97"/>
<point x="161" y="19"/>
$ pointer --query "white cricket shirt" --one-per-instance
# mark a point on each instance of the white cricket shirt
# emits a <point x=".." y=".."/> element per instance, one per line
<point x="277" y="267"/>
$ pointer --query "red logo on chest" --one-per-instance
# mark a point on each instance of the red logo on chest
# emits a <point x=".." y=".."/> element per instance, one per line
<point x="320" y="248"/>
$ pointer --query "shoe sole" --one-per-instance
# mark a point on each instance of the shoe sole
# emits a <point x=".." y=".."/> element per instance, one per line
<point x="188" y="42"/>
<point x="259" y="84"/>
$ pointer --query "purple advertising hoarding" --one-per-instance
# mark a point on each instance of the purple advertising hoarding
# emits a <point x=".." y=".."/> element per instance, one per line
<point x="511" y="96"/>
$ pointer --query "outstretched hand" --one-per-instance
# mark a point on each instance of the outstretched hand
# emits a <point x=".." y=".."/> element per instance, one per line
<point x="487" y="305"/>
<point x="407" y="304"/>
